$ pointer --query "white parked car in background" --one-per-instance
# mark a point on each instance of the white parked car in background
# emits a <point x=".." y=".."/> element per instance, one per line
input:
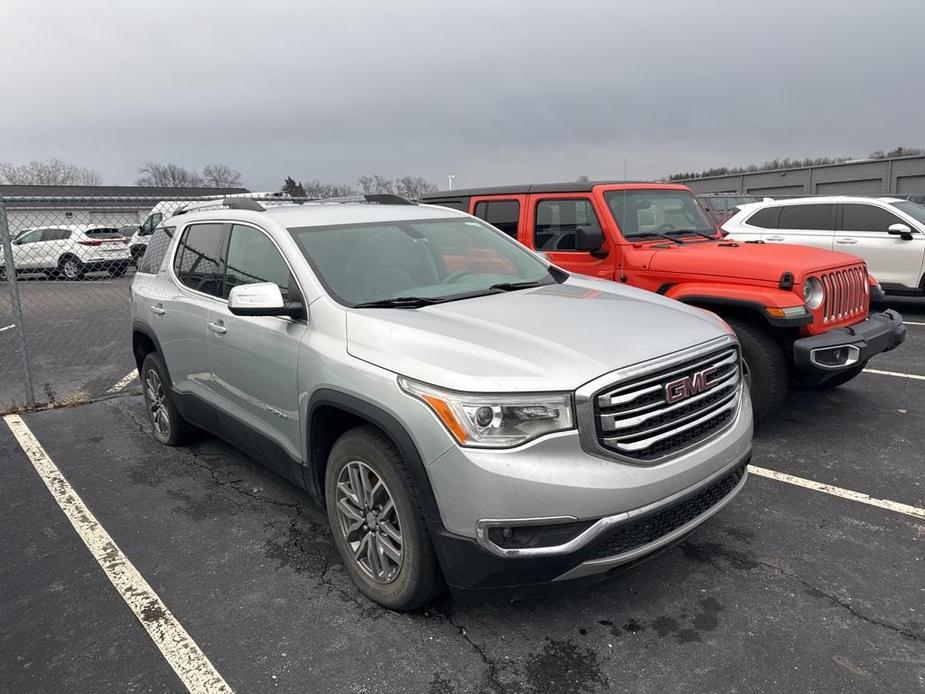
<point x="887" y="233"/>
<point x="69" y="251"/>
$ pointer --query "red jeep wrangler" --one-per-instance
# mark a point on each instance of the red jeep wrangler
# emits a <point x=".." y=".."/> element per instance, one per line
<point x="800" y="313"/>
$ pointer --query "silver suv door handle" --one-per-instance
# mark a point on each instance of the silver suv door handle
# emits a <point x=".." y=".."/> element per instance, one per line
<point x="846" y="240"/>
<point x="157" y="310"/>
<point x="775" y="238"/>
<point x="217" y="328"/>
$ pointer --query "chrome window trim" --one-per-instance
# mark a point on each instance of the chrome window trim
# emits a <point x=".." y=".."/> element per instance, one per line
<point x="586" y="395"/>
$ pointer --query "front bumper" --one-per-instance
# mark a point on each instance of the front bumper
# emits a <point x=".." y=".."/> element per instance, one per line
<point x="820" y="354"/>
<point x="608" y="544"/>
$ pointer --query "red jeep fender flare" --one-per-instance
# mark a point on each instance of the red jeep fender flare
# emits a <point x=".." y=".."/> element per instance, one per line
<point x="751" y="298"/>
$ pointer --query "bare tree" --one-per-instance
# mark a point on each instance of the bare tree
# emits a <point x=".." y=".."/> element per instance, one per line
<point x="319" y="189"/>
<point x="581" y="179"/>
<point x="376" y="184"/>
<point x="366" y="184"/>
<point x="51" y="172"/>
<point x="413" y="187"/>
<point x="152" y="173"/>
<point x="338" y="190"/>
<point x="220" y="176"/>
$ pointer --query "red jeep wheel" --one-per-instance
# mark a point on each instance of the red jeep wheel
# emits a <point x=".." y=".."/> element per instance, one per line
<point x="765" y="367"/>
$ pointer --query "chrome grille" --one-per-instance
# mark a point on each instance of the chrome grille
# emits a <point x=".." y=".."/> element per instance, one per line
<point x="663" y="412"/>
<point x="846" y="293"/>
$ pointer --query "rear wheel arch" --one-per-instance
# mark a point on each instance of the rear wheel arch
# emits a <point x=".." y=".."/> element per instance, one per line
<point x="332" y="413"/>
<point x="144" y="342"/>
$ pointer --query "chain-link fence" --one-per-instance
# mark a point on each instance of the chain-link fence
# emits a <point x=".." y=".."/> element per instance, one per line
<point x="66" y="265"/>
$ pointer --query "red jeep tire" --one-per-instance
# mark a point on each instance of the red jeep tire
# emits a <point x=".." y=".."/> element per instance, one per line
<point x="765" y="366"/>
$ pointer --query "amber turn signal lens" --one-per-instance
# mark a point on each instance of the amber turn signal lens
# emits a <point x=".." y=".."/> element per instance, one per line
<point x="446" y="416"/>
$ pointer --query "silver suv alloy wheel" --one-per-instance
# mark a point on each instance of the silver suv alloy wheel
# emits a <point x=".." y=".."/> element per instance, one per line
<point x="157" y="406"/>
<point x="369" y="522"/>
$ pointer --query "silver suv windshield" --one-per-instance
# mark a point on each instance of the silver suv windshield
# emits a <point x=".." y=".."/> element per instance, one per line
<point x="412" y="263"/>
<point x="654" y="213"/>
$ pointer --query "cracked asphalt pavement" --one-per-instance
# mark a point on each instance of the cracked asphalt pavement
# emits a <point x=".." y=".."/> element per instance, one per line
<point x="787" y="589"/>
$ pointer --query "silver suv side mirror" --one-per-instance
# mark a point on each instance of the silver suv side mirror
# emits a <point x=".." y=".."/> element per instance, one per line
<point x="903" y="231"/>
<point x="262" y="299"/>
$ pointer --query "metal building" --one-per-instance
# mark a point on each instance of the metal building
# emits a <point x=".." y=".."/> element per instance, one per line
<point x="898" y="176"/>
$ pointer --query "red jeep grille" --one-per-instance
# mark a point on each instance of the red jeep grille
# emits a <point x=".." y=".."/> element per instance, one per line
<point x="846" y="294"/>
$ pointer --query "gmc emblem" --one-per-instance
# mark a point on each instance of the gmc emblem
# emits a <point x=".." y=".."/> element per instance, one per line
<point x="683" y="388"/>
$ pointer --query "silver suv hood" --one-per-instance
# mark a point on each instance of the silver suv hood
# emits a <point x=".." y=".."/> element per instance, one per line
<point x="550" y="338"/>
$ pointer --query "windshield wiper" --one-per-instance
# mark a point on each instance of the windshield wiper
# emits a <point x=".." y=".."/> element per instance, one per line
<point x="399" y="302"/>
<point x="513" y="286"/>
<point x="692" y="231"/>
<point x="659" y="235"/>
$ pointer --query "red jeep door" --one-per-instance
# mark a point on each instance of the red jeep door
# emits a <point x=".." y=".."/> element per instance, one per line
<point x="504" y="212"/>
<point x="550" y="227"/>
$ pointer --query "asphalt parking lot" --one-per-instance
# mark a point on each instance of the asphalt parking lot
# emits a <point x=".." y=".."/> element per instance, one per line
<point x="76" y="334"/>
<point x="787" y="589"/>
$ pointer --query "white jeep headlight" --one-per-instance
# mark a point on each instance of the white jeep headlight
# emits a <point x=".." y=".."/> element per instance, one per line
<point x="813" y="292"/>
<point x="494" y="421"/>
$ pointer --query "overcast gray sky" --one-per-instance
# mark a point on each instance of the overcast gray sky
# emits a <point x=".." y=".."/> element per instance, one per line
<point x="492" y="92"/>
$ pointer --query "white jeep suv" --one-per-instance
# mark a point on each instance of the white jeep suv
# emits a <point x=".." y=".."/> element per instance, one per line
<point x="887" y="233"/>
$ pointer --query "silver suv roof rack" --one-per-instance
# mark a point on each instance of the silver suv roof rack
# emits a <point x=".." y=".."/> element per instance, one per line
<point x="373" y="198"/>
<point x="241" y="203"/>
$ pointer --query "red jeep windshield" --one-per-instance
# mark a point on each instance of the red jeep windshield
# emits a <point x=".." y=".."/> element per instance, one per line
<point x="641" y="213"/>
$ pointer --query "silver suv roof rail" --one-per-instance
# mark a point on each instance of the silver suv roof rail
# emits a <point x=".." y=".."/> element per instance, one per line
<point x="373" y="198"/>
<point x="241" y="203"/>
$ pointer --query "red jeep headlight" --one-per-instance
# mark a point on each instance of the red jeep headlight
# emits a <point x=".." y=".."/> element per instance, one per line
<point x="813" y="292"/>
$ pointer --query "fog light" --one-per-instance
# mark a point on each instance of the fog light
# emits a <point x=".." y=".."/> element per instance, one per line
<point x="835" y="357"/>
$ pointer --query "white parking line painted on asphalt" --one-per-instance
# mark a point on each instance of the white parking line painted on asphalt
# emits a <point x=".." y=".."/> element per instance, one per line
<point x="911" y="322"/>
<point x="894" y="373"/>
<point x="178" y="648"/>
<point x="7" y="327"/>
<point x="124" y="381"/>
<point x="894" y="506"/>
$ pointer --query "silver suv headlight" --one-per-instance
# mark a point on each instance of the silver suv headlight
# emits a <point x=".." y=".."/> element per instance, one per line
<point x="495" y="421"/>
<point x="813" y="292"/>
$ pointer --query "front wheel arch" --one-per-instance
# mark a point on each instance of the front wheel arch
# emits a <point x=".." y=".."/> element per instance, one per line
<point x="331" y="413"/>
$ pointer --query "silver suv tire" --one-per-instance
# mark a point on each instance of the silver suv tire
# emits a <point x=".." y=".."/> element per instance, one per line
<point x="167" y="426"/>
<point x="377" y="522"/>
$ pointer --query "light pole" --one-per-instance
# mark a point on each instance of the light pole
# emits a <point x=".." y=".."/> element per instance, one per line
<point x="449" y="178"/>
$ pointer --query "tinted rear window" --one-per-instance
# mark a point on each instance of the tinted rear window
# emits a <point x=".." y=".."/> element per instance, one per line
<point x="198" y="259"/>
<point x="812" y="217"/>
<point x="103" y="233"/>
<point x="156" y="250"/>
<point x="502" y="214"/>
<point x="766" y="218"/>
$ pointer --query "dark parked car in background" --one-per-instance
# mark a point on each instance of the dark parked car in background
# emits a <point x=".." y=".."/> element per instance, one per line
<point x="721" y="206"/>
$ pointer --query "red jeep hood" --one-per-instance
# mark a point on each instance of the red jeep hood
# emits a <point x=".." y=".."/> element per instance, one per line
<point x="756" y="261"/>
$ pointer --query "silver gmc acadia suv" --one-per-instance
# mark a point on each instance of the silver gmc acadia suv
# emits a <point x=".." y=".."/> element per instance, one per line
<point x="469" y="414"/>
